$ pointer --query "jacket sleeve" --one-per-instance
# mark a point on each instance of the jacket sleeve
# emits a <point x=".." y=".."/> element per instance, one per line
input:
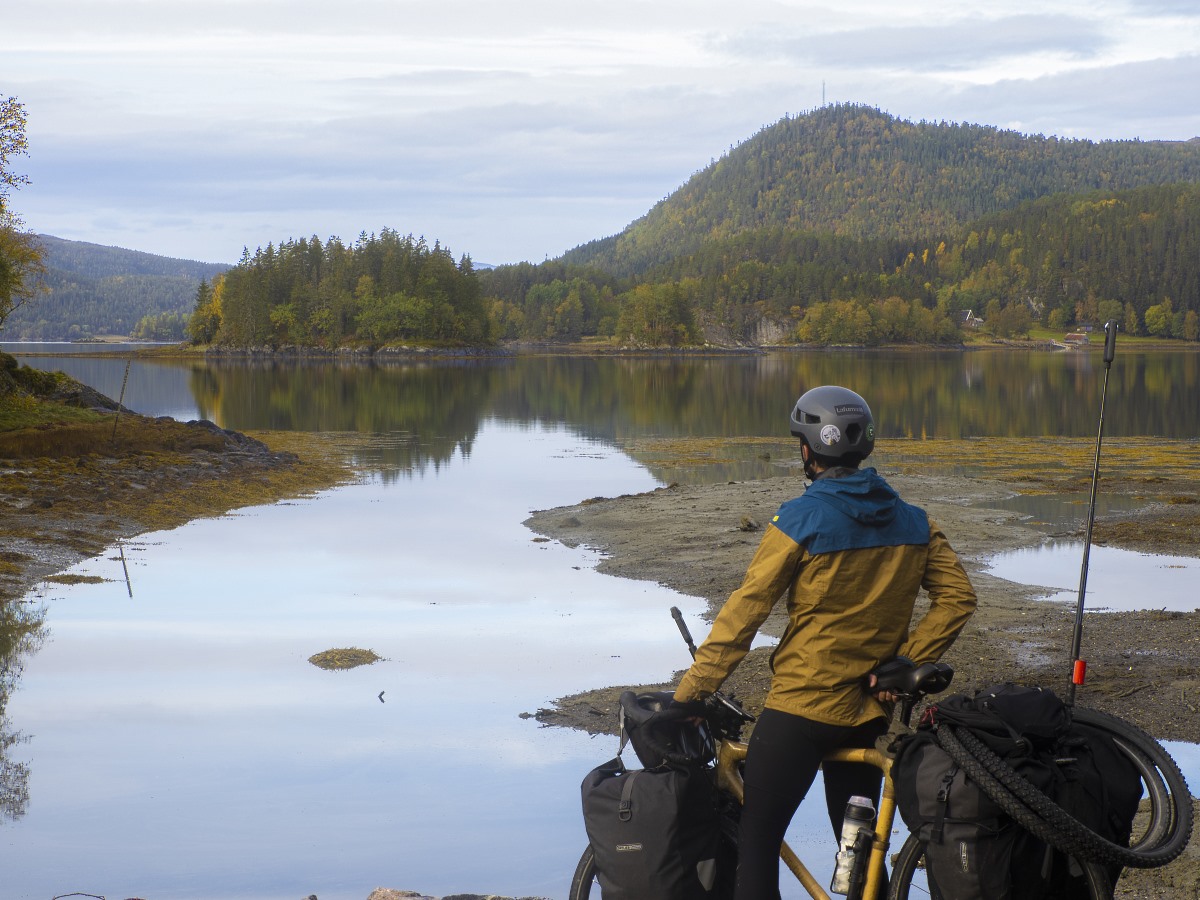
<point x="951" y="602"/>
<point x="728" y="642"/>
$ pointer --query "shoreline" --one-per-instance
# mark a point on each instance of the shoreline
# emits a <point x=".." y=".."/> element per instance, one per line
<point x="63" y="511"/>
<point x="513" y="349"/>
<point x="704" y="544"/>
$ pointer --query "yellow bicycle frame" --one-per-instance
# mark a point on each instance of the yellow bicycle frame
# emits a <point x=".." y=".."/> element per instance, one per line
<point x="731" y="754"/>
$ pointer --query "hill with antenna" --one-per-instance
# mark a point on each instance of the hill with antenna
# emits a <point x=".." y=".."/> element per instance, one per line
<point x="855" y="172"/>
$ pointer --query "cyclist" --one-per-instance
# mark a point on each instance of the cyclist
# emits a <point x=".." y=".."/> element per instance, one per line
<point x="850" y="556"/>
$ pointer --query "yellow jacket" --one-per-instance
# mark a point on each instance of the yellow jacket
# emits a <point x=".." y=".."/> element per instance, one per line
<point x="850" y="556"/>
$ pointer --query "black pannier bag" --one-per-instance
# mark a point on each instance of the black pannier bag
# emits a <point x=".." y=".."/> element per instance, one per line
<point x="973" y="851"/>
<point x="972" y="848"/>
<point x="655" y="831"/>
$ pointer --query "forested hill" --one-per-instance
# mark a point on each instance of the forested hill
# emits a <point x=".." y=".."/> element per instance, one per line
<point x="97" y="290"/>
<point x="856" y="172"/>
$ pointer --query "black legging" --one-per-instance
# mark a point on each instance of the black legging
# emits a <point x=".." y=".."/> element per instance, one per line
<point x="785" y="754"/>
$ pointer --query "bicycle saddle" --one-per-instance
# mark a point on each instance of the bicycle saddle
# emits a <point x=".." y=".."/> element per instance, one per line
<point x="900" y="676"/>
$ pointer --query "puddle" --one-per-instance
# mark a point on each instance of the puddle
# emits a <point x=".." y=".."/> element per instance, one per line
<point x="1188" y="758"/>
<point x="1057" y="511"/>
<point x="1118" y="580"/>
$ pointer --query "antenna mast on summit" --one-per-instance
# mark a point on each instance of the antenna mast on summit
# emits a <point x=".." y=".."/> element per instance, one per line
<point x="822" y="93"/>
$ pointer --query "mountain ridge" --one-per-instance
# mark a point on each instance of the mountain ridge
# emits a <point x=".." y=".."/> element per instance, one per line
<point x="95" y="289"/>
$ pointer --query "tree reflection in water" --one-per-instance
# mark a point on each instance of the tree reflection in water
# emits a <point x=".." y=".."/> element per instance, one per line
<point x="433" y="409"/>
<point x="22" y="632"/>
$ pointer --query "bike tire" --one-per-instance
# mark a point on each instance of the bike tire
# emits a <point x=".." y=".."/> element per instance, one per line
<point x="1160" y="822"/>
<point x="1176" y="808"/>
<point x="911" y="857"/>
<point x="585" y="877"/>
<point x="999" y="792"/>
<point x="909" y="861"/>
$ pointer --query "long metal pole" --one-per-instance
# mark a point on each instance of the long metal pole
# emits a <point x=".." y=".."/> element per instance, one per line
<point x="121" y="399"/>
<point x="1079" y="666"/>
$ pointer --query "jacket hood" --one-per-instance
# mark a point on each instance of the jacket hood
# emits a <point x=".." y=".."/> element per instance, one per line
<point x="863" y="496"/>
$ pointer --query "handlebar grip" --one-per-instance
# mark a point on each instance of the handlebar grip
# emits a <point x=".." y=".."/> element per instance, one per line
<point x="683" y="629"/>
<point x="1110" y="341"/>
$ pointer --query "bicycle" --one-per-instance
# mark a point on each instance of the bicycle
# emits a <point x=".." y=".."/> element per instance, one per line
<point x="1166" y="833"/>
<point x="726" y="720"/>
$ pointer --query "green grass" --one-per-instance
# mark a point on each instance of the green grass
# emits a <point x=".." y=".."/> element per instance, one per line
<point x="22" y="411"/>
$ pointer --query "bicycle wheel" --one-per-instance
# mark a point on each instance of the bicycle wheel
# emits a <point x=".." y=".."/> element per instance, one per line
<point x="910" y="866"/>
<point x="910" y="863"/>
<point x="585" y="877"/>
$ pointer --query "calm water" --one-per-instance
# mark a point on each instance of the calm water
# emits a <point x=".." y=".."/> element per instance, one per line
<point x="179" y="744"/>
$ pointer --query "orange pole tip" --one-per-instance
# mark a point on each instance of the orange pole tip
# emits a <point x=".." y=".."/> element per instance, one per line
<point x="1079" y="671"/>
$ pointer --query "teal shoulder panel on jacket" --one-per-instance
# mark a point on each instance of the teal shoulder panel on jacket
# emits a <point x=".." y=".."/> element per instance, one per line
<point x="852" y="513"/>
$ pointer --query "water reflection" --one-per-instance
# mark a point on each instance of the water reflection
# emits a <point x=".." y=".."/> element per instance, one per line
<point x="941" y="394"/>
<point x="22" y="632"/>
<point x="184" y="747"/>
<point x="1118" y="580"/>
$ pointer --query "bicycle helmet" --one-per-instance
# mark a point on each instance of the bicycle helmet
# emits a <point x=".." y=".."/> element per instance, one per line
<point x="836" y="423"/>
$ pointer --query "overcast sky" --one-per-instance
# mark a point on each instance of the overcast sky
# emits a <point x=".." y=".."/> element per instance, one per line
<point x="517" y="130"/>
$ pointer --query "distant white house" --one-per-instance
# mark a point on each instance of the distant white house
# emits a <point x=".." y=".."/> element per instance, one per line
<point x="968" y="319"/>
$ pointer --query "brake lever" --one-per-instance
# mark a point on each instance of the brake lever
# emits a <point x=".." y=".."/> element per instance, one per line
<point x="731" y="707"/>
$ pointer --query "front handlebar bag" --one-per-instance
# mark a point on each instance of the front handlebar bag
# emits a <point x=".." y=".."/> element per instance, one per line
<point x="661" y="736"/>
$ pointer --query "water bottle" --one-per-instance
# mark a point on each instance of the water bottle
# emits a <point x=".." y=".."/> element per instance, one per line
<point x="860" y="813"/>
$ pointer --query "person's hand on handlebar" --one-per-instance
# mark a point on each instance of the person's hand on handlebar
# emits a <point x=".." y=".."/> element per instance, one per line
<point x="885" y="695"/>
<point x="888" y="673"/>
<point x="692" y="710"/>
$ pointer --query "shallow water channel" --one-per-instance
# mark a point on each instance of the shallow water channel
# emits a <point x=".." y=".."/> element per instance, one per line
<point x="180" y="744"/>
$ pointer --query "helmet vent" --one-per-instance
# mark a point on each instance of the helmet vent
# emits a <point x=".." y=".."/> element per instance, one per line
<point x="810" y="419"/>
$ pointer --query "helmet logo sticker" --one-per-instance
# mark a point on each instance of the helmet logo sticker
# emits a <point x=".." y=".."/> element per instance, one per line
<point x="830" y="435"/>
<point x="871" y="431"/>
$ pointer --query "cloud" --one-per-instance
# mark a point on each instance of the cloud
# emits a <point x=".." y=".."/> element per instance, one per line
<point x="952" y="46"/>
<point x="511" y="130"/>
<point x="1166" y="8"/>
<point x="1123" y="101"/>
